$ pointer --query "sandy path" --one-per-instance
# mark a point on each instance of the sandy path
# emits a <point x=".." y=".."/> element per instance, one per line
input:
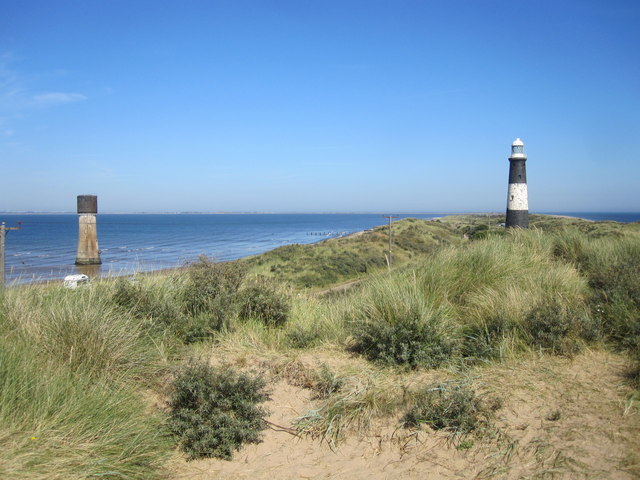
<point x="561" y="419"/>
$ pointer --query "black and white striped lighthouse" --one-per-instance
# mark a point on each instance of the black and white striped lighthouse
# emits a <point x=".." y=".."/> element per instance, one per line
<point x="517" y="201"/>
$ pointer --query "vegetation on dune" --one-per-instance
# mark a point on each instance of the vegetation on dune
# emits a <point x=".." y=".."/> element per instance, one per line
<point x="262" y="300"/>
<point x="395" y="323"/>
<point x="57" y="424"/>
<point x="463" y="291"/>
<point x="208" y="296"/>
<point x="474" y="303"/>
<point x="355" y="256"/>
<point x="213" y="411"/>
<point x="452" y="406"/>
<point x="70" y="367"/>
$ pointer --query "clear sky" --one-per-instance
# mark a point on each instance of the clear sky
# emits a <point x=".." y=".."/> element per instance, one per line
<point x="323" y="105"/>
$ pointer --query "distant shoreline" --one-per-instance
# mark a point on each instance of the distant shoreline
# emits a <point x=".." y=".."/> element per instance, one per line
<point x="441" y="214"/>
<point x="257" y="213"/>
<point x="119" y="256"/>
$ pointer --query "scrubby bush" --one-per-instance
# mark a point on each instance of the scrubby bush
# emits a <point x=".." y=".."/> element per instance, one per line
<point x="554" y="328"/>
<point x="453" y="406"/>
<point x="210" y="290"/>
<point x="128" y="294"/>
<point x="213" y="411"/>
<point x="397" y="325"/>
<point x="485" y="339"/>
<point x="146" y="302"/>
<point x="262" y="300"/>
<point x="613" y="268"/>
<point x="302" y="337"/>
<point x="326" y="382"/>
<point x="547" y="326"/>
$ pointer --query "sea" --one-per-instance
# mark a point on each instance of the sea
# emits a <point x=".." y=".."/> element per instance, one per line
<point x="44" y="247"/>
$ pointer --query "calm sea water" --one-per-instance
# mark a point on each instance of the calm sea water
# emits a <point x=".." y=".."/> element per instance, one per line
<point x="45" y="247"/>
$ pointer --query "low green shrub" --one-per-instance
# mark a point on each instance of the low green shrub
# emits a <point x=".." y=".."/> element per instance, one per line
<point x="397" y="325"/>
<point x="556" y="329"/>
<point x="195" y="328"/>
<point x="262" y="300"/>
<point x="302" y="337"/>
<point x="213" y="411"/>
<point x="453" y="406"/>
<point x="485" y="340"/>
<point x="210" y="291"/>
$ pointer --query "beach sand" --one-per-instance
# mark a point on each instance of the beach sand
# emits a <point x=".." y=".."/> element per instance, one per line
<point x="562" y="418"/>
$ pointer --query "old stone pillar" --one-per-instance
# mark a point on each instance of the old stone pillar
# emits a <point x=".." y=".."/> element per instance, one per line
<point x="88" y="253"/>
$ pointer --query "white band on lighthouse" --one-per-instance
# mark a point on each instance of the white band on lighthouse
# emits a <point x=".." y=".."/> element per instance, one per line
<point x="517" y="198"/>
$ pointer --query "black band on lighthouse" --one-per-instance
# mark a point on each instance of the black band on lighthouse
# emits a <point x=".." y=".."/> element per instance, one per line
<point x="518" y="218"/>
<point x="517" y="170"/>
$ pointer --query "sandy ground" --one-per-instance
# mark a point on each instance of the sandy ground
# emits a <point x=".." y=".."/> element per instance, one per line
<point x="561" y="418"/>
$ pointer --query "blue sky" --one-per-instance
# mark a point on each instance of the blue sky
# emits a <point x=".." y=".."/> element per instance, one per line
<point x="385" y="106"/>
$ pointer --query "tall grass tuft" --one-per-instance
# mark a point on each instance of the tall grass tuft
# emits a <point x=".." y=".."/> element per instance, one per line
<point x="397" y="324"/>
<point x="57" y="423"/>
<point x="482" y="301"/>
<point x="352" y="402"/>
<point x="81" y="330"/>
<point x="613" y="268"/>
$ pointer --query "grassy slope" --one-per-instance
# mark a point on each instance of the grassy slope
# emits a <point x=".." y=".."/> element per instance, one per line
<point x="82" y="351"/>
<point x="356" y="256"/>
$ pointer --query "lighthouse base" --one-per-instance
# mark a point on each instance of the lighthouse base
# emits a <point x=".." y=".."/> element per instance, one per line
<point x="517" y="218"/>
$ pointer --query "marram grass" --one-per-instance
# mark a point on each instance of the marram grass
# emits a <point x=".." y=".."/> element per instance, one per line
<point x="81" y="330"/>
<point x="71" y="370"/>
<point x="58" y="424"/>
<point x="73" y="363"/>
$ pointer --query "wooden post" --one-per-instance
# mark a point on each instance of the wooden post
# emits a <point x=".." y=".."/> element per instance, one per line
<point x="3" y="233"/>
<point x="390" y="217"/>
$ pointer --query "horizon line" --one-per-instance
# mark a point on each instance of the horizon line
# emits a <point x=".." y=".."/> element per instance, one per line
<point x="355" y="212"/>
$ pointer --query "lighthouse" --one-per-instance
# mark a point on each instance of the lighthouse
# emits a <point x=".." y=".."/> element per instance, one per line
<point x="517" y="199"/>
<point x="88" y="253"/>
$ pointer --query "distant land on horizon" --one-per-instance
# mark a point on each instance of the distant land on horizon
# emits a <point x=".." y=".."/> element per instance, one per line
<point x="399" y="212"/>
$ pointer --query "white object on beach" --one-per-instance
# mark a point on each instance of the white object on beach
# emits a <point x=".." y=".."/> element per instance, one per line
<point x="74" y="281"/>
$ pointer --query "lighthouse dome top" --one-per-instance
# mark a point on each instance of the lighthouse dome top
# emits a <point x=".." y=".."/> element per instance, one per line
<point x="517" y="149"/>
